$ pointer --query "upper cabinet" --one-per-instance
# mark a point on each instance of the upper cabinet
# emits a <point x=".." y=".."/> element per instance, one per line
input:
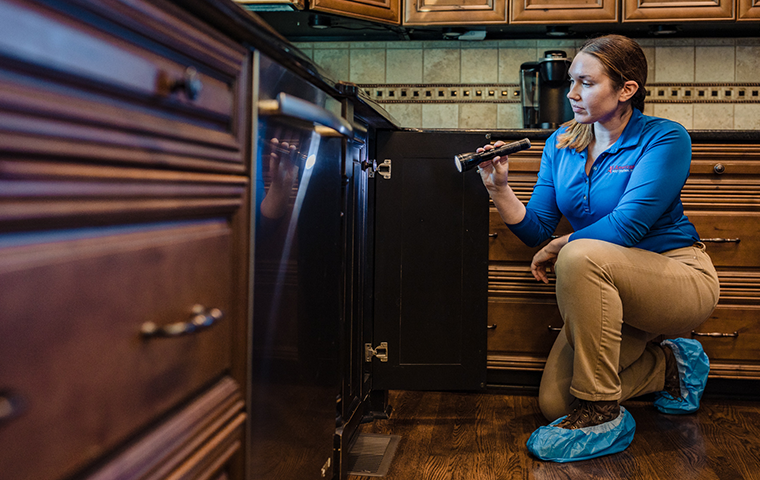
<point x="749" y="10"/>
<point x="678" y="10"/>
<point x="385" y="11"/>
<point x="455" y="12"/>
<point x="564" y="11"/>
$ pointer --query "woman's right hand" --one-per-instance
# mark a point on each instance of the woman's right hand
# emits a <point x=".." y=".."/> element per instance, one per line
<point x="495" y="173"/>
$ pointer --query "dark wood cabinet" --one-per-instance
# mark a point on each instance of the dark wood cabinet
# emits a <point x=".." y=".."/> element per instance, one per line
<point x="123" y="227"/>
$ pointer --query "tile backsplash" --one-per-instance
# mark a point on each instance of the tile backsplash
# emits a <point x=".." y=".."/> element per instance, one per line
<point x="702" y="83"/>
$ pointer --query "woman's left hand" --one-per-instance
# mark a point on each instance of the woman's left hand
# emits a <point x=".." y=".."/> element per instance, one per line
<point x="544" y="260"/>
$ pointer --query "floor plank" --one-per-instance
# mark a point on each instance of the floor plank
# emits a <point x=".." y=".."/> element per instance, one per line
<point x="466" y="436"/>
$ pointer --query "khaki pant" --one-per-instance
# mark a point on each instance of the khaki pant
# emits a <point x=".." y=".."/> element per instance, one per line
<point x="614" y="300"/>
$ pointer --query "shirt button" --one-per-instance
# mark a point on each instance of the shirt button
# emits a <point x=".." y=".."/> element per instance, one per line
<point x="584" y="197"/>
<point x="594" y="168"/>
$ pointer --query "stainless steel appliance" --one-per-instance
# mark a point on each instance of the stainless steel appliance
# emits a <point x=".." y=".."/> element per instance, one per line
<point x="298" y="275"/>
<point x="544" y="86"/>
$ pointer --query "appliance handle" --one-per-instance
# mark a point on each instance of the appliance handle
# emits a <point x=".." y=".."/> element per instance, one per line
<point x="294" y="107"/>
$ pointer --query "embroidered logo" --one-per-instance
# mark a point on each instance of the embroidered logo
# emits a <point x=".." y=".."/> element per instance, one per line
<point x="621" y="168"/>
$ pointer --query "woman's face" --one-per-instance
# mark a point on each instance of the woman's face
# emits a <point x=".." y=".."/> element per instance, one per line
<point x="592" y="95"/>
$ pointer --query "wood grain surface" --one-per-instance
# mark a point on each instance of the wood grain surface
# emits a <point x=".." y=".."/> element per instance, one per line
<point x="463" y="436"/>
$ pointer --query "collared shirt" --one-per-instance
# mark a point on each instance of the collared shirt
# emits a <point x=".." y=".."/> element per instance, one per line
<point x="632" y="197"/>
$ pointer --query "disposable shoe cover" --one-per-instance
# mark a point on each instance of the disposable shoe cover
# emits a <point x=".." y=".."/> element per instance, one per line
<point x="693" y="367"/>
<point x="562" y="445"/>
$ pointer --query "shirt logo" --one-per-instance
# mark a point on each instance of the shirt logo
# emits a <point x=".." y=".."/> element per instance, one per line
<point x="621" y="168"/>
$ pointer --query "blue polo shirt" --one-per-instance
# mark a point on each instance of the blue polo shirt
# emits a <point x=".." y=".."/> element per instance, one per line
<point x="632" y="196"/>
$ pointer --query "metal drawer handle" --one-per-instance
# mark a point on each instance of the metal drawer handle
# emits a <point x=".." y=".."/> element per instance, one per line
<point x="294" y="107"/>
<point x="714" y="334"/>
<point x="189" y="83"/>
<point x="11" y="406"/>
<point x="720" y="240"/>
<point x="719" y="168"/>
<point x="201" y="319"/>
<point x="493" y="235"/>
<point x="554" y="329"/>
<point x="492" y="326"/>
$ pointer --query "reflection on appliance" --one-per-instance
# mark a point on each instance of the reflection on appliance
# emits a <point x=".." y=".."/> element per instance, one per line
<point x="544" y="85"/>
<point x="297" y="279"/>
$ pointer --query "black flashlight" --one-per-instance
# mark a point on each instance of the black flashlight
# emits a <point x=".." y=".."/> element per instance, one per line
<point x="468" y="161"/>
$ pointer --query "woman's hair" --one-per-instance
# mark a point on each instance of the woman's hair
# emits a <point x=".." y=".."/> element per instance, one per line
<point x="623" y="60"/>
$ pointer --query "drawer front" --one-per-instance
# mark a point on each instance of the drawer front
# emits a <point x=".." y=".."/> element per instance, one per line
<point x="731" y="339"/>
<point x="73" y="361"/>
<point x="732" y="238"/>
<point x="134" y="83"/>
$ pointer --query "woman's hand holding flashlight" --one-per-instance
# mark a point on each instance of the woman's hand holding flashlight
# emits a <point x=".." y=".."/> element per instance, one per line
<point x="494" y="173"/>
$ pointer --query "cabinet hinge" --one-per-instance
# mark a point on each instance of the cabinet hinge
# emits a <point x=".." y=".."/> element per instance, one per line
<point x="381" y="352"/>
<point x="384" y="169"/>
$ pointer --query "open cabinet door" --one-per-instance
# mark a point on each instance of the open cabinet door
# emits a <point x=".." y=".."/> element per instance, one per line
<point x="431" y="265"/>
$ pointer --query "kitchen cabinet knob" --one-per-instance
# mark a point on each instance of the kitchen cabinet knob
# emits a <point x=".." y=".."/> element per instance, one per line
<point x="11" y="406"/>
<point x="719" y="168"/>
<point x="370" y="165"/>
<point x="190" y="84"/>
<point x="200" y="319"/>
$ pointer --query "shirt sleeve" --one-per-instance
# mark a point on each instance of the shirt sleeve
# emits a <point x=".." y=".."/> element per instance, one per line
<point x="656" y="182"/>
<point x="541" y="213"/>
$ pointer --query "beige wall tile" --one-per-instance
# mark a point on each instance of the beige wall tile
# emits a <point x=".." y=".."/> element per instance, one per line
<point x="409" y="115"/>
<point x="649" y="109"/>
<point x="649" y="53"/>
<point x="714" y="64"/>
<point x="715" y="116"/>
<point x="747" y="116"/>
<point x="747" y="63"/>
<point x="403" y="66"/>
<point x="477" y="115"/>
<point x="678" y="112"/>
<point x="334" y="61"/>
<point x="509" y="115"/>
<point x="480" y="65"/>
<point x="674" y="64"/>
<point x="440" y="115"/>
<point x="441" y="65"/>
<point x="510" y="60"/>
<point x="367" y="65"/>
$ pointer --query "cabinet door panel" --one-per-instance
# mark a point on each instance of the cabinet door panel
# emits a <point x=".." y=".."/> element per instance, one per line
<point x="749" y="10"/>
<point x="564" y="11"/>
<point x="672" y="10"/>
<point x="455" y="12"/>
<point x="386" y="11"/>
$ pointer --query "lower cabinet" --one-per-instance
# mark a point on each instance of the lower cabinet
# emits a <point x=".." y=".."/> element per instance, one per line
<point x="721" y="198"/>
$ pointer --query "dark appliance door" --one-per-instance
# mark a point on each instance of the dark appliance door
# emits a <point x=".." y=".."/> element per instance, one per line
<point x="298" y="279"/>
<point x="430" y="265"/>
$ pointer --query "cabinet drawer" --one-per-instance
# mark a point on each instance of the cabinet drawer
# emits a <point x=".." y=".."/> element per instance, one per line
<point x="505" y="246"/>
<point x="198" y="442"/>
<point x="732" y="238"/>
<point x="136" y="82"/>
<point x="73" y="361"/>
<point x="731" y="339"/>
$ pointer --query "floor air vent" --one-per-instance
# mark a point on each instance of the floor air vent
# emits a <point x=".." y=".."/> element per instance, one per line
<point x="371" y="454"/>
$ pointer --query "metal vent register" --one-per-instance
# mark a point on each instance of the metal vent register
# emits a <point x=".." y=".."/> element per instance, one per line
<point x="371" y="454"/>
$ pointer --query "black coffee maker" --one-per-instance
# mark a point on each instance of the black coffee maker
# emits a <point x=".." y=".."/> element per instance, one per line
<point x="544" y="85"/>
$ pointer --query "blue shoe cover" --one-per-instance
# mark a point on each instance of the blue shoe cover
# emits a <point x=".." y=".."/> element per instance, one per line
<point x="562" y="445"/>
<point x="693" y="367"/>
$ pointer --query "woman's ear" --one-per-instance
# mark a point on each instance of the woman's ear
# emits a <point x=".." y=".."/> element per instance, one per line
<point x="628" y="91"/>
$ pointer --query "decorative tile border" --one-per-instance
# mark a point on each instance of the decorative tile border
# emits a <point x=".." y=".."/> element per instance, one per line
<point x="510" y="93"/>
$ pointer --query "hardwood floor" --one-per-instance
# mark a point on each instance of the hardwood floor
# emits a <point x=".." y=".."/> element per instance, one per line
<point x="468" y="436"/>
